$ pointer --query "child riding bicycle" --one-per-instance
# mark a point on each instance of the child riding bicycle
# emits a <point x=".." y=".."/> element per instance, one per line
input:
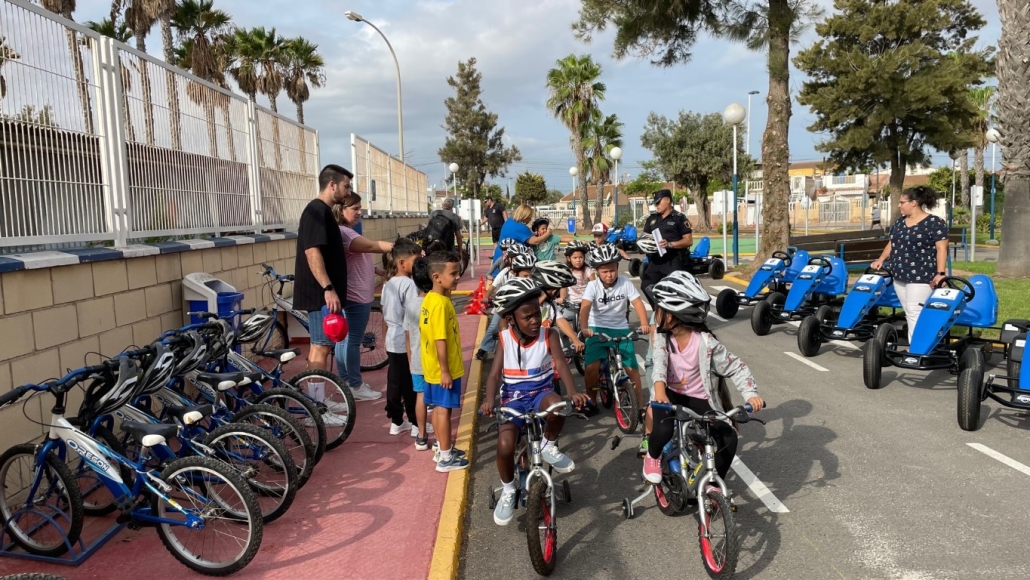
<point x="528" y="357"/>
<point x="553" y="277"/>
<point x="687" y="361"/>
<point x="604" y="309"/>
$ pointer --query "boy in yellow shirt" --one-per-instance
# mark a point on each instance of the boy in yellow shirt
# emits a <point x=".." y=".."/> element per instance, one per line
<point x="442" y="365"/>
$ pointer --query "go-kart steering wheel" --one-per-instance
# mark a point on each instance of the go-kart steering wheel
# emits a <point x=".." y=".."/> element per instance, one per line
<point x="782" y="256"/>
<point x="824" y="261"/>
<point x="965" y="287"/>
<point x="884" y="273"/>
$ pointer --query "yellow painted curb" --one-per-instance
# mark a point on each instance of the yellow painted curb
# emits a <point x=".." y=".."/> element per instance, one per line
<point x="734" y="279"/>
<point x="447" y="549"/>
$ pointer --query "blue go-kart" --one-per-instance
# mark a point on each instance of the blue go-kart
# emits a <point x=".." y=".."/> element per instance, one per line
<point x="860" y="316"/>
<point x="971" y="303"/>
<point x="775" y="275"/>
<point x="701" y="262"/>
<point x="624" y="237"/>
<point x="814" y="291"/>
<point x="972" y="390"/>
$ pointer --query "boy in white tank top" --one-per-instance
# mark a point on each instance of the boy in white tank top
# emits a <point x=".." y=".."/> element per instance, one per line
<point x="527" y="359"/>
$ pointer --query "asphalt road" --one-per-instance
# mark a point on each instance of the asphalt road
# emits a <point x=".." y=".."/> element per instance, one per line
<point x="878" y="484"/>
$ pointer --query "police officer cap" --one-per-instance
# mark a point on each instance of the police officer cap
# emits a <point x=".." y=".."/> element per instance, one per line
<point x="660" y="194"/>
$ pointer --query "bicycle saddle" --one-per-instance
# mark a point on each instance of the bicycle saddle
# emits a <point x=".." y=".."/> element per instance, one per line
<point x="282" y="354"/>
<point x="189" y="414"/>
<point x="220" y="381"/>
<point x="249" y="377"/>
<point x="150" y="434"/>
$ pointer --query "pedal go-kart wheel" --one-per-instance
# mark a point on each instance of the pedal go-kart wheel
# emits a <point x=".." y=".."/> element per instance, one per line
<point x="824" y="312"/>
<point x="887" y="335"/>
<point x="627" y="508"/>
<point x="972" y="358"/>
<point x="643" y="269"/>
<point x="970" y="394"/>
<point x="717" y="269"/>
<point x="761" y="316"/>
<point x="634" y="267"/>
<point x="809" y="336"/>
<point x="566" y="490"/>
<point x="872" y="365"/>
<point x="726" y="303"/>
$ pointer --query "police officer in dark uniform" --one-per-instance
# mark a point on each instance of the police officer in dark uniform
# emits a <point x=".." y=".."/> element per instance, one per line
<point x="676" y="235"/>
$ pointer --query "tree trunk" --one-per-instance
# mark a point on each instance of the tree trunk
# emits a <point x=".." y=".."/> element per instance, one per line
<point x="775" y="147"/>
<point x="599" y="201"/>
<point x="978" y="166"/>
<point x="212" y="129"/>
<point x="170" y="81"/>
<point x="899" y="163"/>
<point x="704" y="223"/>
<point x="300" y="112"/>
<point x="227" y="119"/>
<point x="963" y="177"/>
<point x="148" y="97"/>
<point x="577" y="147"/>
<point x="80" y="79"/>
<point x="1013" y="94"/>
<point x="302" y="139"/>
<point x="275" y="133"/>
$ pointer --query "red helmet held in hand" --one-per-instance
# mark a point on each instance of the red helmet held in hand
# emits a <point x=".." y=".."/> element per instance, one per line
<point x="335" y="327"/>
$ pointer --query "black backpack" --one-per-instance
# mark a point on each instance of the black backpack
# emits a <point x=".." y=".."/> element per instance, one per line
<point x="440" y="228"/>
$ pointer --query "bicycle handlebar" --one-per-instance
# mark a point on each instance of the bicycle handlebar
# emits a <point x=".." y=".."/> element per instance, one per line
<point x="709" y="416"/>
<point x="635" y="335"/>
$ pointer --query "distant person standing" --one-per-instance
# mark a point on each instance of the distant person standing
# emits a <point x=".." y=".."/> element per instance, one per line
<point x="321" y="266"/>
<point x="876" y="215"/>
<point x="444" y="229"/>
<point x="495" y="215"/>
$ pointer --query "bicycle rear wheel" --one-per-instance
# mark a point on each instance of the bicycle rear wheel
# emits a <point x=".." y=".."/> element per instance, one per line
<point x="288" y="430"/>
<point x="541" y="529"/>
<point x="303" y="410"/>
<point x="51" y="519"/>
<point x="337" y="403"/>
<point x="262" y="461"/>
<point x="210" y="490"/>
<point x="373" y="345"/>
<point x="719" y="549"/>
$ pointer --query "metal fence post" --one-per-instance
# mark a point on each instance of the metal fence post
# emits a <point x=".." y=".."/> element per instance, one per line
<point x="318" y="155"/>
<point x="111" y="138"/>
<point x="254" y="169"/>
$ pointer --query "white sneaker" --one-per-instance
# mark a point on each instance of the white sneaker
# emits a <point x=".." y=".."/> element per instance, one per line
<point x="334" y="420"/>
<point x="340" y="408"/>
<point x="398" y="429"/>
<point x="365" y="393"/>
<point x="414" y="430"/>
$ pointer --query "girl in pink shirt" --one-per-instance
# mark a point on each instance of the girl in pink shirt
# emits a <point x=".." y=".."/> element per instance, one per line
<point x="688" y="365"/>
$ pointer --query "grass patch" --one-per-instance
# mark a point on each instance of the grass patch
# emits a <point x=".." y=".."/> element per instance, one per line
<point x="1012" y="294"/>
<point x="960" y="268"/>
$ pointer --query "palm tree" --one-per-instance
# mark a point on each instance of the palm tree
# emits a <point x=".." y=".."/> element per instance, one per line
<point x="6" y="54"/>
<point x="140" y="17"/>
<point x="202" y="30"/>
<point x="269" y="59"/>
<point x="1014" y="126"/>
<point x="65" y="8"/>
<point x="304" y="66"/>
<point x="243" y="66"/>
<point x="123" y="34"/>
<point x="600" y="135"/>
<point x="983" y="98"/>
<point x="574" y="92"/>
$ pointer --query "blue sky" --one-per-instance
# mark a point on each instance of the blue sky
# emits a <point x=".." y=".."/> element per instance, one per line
<point x="515" y="42"/>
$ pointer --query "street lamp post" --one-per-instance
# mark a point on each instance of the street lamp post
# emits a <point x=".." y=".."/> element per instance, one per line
<point x="574" y="171"/>
<point x="734" y="115"/>
<point x="993" y="135"/>
<point x="454" y="176"/>
<point x="400" y="111"/>
<point x="616" y="154"/>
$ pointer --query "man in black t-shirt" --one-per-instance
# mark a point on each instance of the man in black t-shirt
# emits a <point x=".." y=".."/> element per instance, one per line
<point x="495" y="215"/>
<point x="676" y="235"/>
<point x="321" y="268"/>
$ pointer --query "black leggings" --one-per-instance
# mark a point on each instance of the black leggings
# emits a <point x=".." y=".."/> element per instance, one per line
<point x="662" y="432"/>
<point x="400" y="390"/>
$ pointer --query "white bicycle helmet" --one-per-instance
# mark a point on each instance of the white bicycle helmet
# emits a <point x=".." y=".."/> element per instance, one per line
<point x="190" y="350"/>
<point x="158" y="372"/>
<point x="255" y="327"/>
<point x="647" y="244"/>
<point x="511" y="245"/>
<point x="523" y="262"/>
<point x="681" y="295"/>
<point x="513" y="293"/>
<point x="553" y="275"/>
<point x="576" y="246"/>
<point x="603" y="254"/>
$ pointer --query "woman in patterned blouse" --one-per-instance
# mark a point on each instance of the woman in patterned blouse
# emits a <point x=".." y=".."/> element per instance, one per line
<point x="917" y="251"/>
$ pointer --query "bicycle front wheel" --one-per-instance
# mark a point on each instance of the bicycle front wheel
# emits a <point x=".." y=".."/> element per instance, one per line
<point x="260" y="459"/>
<point x="373" y="345"/>
<point x="541" y="528"/>
<point x="626" y="414"/>
<point x="42" y="508"/>
<point x="718" y="539"/>
<point x="210" y="490"/>
<point x="303" y="410"/>
<point x="333" y="399"/>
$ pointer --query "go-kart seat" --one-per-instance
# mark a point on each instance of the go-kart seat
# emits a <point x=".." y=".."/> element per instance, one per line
<point x="702" y="248"/>
<point x="982" y="311"/>
<point x="797" y="263"/>
<point x="835" y="283"/>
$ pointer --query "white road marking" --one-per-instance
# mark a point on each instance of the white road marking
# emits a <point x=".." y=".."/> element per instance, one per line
<point x="802" y="359"/>
<point x="757" y="487"/>
<point x="721" y="288"/>
<point x="1002" y="458"/>
<point x="640" y="362"/>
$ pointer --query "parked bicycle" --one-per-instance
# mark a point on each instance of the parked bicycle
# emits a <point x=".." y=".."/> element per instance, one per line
<point x="536" y="489"/>
<point x="689" y="476"/>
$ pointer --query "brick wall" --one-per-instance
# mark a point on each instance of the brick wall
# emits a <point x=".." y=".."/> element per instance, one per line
<point x="50" y="318"/>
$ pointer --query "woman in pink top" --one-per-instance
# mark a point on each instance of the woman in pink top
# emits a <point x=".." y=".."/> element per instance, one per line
<point x="357" y="305"/>
<point x="686" y="357"/>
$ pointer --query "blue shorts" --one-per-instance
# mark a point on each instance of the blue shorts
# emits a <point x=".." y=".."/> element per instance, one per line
<point x="419" y="383"/>
<point x="526" y="402"/>
<point x="437" y="396"/>
<point x="315" y="331"/>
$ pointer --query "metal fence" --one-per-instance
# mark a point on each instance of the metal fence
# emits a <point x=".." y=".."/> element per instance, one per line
<point x="100" y="142"/>
<point x="399" y="188"/>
